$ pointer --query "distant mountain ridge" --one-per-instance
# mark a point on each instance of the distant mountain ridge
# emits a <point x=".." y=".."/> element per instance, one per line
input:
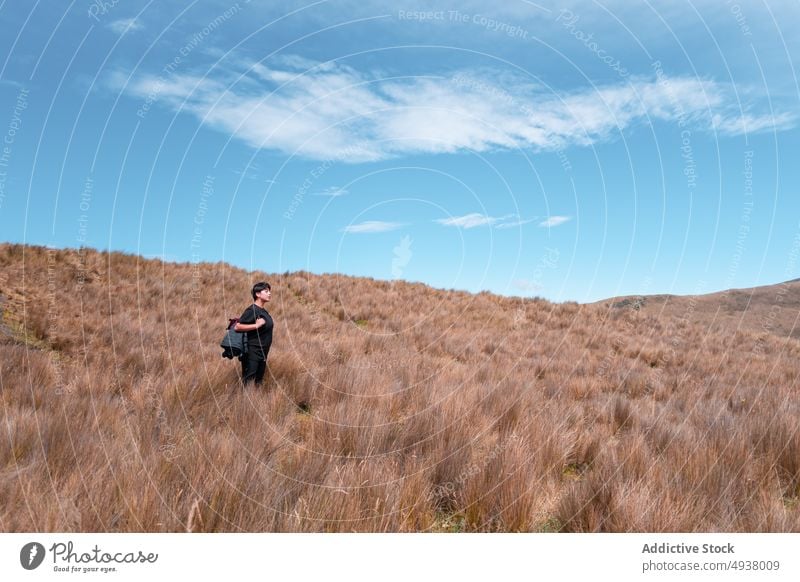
<point x="770" y="309"/>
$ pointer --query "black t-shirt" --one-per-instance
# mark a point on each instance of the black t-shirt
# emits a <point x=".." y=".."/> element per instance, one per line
<point x="259" y="340"/>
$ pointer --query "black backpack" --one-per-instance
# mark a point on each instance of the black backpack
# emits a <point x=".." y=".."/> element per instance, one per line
<point x="234" y="343"/>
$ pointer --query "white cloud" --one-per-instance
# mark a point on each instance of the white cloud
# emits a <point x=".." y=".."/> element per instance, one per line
<point x="332" y="192"/>
<point x="125" y="25"/>
<point x="554" y="221"/>
<point x="371" y="226"/>
<point x="527" y="285"/>
<point x="748" y="123"/>
<point x="334" y="112"/>
<point x="471" y="220"/>
<point x="513" y="223"/>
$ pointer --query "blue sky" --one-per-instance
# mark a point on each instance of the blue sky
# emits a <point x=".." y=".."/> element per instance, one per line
<point x="572" y="151"/>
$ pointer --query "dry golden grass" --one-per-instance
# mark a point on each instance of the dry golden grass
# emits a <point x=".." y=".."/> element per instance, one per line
<point x="388" y="407"/>
<point x="771" y="309"/>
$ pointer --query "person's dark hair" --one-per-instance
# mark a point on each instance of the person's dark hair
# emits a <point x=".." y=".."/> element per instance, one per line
<point x="259" y="287"/>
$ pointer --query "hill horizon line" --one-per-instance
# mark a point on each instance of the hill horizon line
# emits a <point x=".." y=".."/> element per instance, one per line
<point x="619" y="296"/>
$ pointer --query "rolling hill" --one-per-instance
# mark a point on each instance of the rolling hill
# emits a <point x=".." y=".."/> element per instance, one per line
<point x="770" y="309"/>
<point x="388" y="406"/>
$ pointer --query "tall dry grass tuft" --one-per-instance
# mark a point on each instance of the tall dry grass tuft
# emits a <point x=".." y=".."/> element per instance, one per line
<point x="387" y="407"/>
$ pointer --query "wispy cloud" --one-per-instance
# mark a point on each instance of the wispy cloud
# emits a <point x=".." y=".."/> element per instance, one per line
<point x="372" y="226"/>
<point x="471" y="220"/>
<point x="332" y="191"/>
<point x="555" y="221"/>
<point x="526" y="285"/>
<point x="748" y="123"/>
<point x="125" y="25"/>
<point x="513" y="223"/>
<point x="253" y="171"/>
<point x="331" y="111"/>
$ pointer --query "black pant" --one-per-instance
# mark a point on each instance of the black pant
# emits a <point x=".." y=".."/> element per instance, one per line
<point x="253" y="368"/>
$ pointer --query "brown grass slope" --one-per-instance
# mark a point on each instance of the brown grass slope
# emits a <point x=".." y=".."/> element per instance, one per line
<point x="769" y="309"/>
<point x="388" y="407"/>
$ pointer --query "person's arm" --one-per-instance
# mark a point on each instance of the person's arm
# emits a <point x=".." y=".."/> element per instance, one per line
<point x="248" y="321"/>
<point x="241" y="327"/>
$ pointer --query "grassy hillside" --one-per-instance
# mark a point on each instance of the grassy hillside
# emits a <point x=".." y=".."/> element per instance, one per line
<point x="773" y="309"/>
<point x="388" y="407"/>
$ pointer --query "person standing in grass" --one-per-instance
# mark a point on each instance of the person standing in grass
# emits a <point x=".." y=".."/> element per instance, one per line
<point x="257" y="322"/>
